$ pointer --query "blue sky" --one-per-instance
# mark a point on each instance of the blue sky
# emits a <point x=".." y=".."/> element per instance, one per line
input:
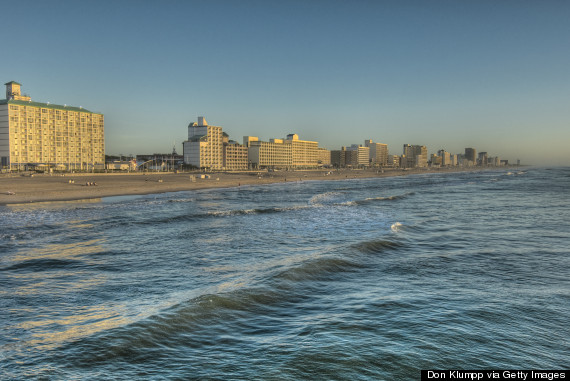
<point x="494" y="75"/>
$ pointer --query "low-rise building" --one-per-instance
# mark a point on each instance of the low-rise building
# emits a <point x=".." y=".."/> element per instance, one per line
<point x="394" y="161"/>
<point x="235" y="156"/>
<point x="118" y="165"/>
<point x="324" y="156"/>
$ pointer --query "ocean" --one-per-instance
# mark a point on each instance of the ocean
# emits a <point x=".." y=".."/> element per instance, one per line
<point x="363" y="279"/>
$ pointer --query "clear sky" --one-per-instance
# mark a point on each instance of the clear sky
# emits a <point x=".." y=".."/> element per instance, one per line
<point x="494" y="75"/>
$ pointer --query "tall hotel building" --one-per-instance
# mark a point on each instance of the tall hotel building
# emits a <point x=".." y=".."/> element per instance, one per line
<point x="208" y="147"/>
<point x="414" y="156"/>
<point x="204" y="147"/>
<point x="378" y="153"/>
<point x="48" y="136"/>
<point x="470" y="157"/>
<point x="305" y="153"/>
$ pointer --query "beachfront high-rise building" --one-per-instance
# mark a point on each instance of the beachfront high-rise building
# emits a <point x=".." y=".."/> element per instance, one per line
<point x="358" y="156"/>
<point x="338" y="158"/>
<point x="445" y="157"/>
<point x="272" y="154"/>
<point x="454" y="159"/>
<point x="305" y="153"/>
<point x="282" y="153"/>
<point x="378" y="153"/>
<point x="204" y="147"/>
<point x="470" y="157"/>
<point x="414" y="156"/>
<point x="44" y="136"/>
<point x="482" y="160"/>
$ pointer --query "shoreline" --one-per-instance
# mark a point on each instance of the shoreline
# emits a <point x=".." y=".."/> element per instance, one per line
<point x="22" y="189"/>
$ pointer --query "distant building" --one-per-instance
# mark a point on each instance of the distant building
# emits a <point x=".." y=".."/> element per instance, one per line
<point x="494" y="161"/>
<point x="470" y="155"/>
<point x="324" y="156"/>
<point x="454" y="160"/>
<point x="482" y="159"/>
<point x="445" y="158"/>
<point x="378" y="153"/>
<point x="358" y="156"/>
<point x="436" y="161"/>
<point x="36" y="135"/>
<point x="414" y="156"/>
<point x="204" y="147"/>
<point x="394" y="161"/>
<point x="338" y="158"/>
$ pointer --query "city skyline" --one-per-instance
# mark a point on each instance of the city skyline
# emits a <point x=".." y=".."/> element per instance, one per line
<point x="446" y="75"/>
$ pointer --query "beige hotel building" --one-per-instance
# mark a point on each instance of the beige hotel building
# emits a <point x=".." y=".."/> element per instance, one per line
<point x="36" y="135"/>
<point x="208" y="147"/>
<point x="284" y="153"/>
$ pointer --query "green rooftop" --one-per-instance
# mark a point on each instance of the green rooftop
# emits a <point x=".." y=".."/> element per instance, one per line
<point x="45" y="105"/>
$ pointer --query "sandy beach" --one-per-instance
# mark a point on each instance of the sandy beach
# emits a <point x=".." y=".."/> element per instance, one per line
<point x="26" y="188"/>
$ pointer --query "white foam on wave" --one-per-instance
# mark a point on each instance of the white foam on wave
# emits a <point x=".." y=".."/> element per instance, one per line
<point x="396" y="226"/>
<point x="325" y="198"/>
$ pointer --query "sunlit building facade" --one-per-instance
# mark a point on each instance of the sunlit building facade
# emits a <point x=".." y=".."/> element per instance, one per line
<point x="272" y="154"/>
<point x="235" y="155"/>
<point x="414" y="156"/>
<point x="324" y="156"/>
<point x="378" y="153"/>
<point x="204" y="147"/>
<point x="46" y="136"/>
<point x="305" y="153"/>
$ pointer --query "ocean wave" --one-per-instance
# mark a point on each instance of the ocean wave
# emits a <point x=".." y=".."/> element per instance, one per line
<point x="203" y="321"/>
<point x="44" y="264"/>
<point x="377" y="246"/>
<point x="239" y="212"/>
<point x="385" y="198"/>
<point x="318" y="269"/>
<point x="327" y="198"/>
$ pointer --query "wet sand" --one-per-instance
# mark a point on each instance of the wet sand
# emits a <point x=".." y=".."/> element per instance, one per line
<point x="18" y="189"/>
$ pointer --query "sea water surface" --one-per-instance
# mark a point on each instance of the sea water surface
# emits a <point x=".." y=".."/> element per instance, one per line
<point x="370" y="279"/>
